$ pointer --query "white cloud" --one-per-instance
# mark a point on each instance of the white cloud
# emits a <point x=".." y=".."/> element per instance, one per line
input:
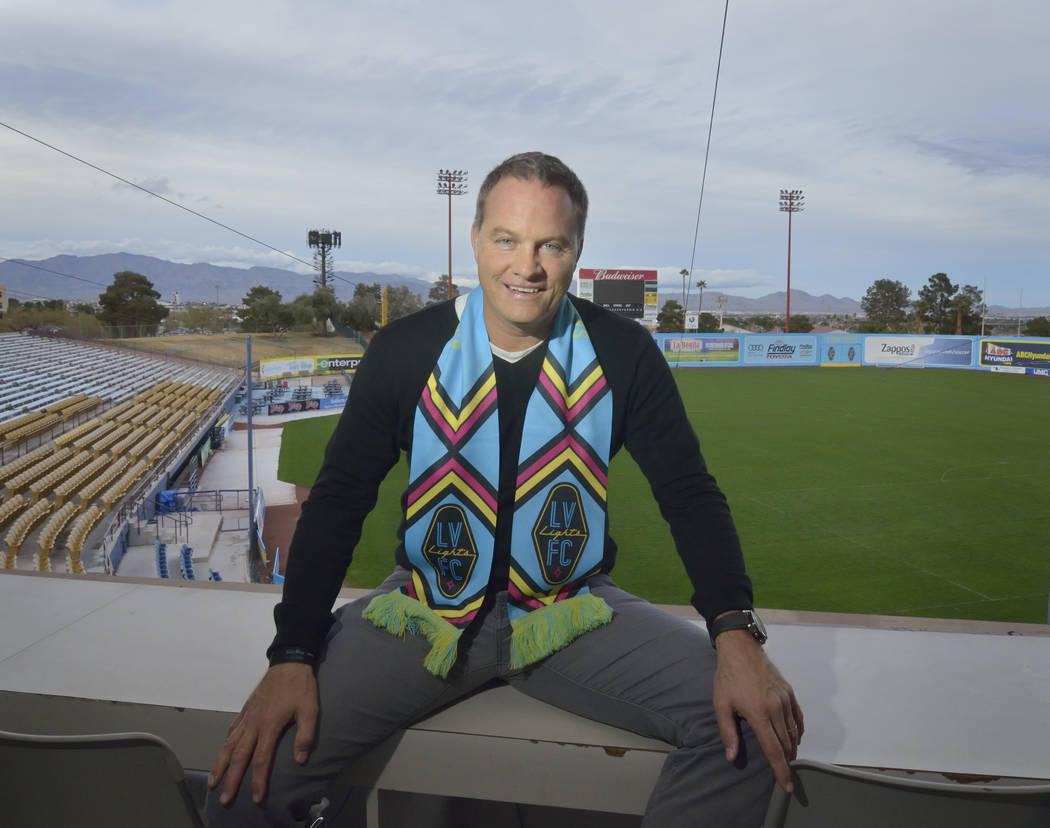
<point x="916" y="144"/>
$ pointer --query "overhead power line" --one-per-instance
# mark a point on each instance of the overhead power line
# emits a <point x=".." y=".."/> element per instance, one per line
<point x="163" y="198"/>
<point x="707" y="152"/>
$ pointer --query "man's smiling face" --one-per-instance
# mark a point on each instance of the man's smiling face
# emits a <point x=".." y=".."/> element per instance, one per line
<point x="526" y="248"/>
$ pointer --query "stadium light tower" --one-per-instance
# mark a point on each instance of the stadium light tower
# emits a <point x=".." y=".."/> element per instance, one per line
<point x="450" y="183"/>
<point x="323" y="241"/>
<point x="791" y="201"/>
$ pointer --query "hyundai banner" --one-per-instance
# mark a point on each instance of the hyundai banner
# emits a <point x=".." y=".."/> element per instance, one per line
<point x="1017" y="354"/>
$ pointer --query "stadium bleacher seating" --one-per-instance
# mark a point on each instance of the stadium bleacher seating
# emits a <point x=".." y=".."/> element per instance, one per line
<point x="78" y="533"/>
<point x="49" y="534"/>
<point x="36" y="470"/>
<point x="101" y="432"/>
<point x="161" y="550"/>
<point x="186" y="563"/>
<point x="21" y="526"/>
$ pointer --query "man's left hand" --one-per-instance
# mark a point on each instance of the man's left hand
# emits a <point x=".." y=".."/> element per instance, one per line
<point x="748" y="685"/>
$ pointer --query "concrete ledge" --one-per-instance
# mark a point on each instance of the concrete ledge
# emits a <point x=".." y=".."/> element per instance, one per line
<point x="92" y="653"/>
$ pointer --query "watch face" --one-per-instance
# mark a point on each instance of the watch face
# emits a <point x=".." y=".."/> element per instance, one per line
<point x="758" y="629"/>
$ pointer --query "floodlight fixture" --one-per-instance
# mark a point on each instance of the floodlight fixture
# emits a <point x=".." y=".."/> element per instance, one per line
<point x="791" y="201"/>
<point x="450" y="183"/>
<point x="323" y="241"/>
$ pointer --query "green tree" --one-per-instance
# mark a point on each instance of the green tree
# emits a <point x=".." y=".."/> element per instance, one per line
<point x="801" y="324"/>
<point x="939" y="316"/>
<point x="702" y="283"/>
<point x="302" y="311"/>
<point x="439" y="292"/>
<point x="362" y="312"/>
<point x="708" y="323"/>
<point x="325" y="307"/>
<point x="886" y="306"/>
<point x="264" y="311"/>
<point x="400" y="301"/>
<point x="671" y="318"/>
<point x="1039" y="326"/>
<point x="762" y="323"/>
<point x="969" y="308"/>
<point x="130" y="305"/>
<point x="919" y="309"/>
<point x="206" y="318"/>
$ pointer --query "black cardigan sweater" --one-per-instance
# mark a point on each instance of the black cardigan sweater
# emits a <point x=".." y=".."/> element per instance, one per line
<point x="649" y="419"/>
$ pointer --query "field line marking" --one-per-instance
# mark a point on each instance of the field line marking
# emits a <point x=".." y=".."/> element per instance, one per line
<point x="871" y="549"/>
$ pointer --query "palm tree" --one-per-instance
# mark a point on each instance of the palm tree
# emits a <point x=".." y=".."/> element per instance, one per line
<point x="920" y="307"/>
<point x="962" y="304"/>
<point x="701" y="284"/>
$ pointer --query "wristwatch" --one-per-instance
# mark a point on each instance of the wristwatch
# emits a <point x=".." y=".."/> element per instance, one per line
<point x="738" y="620"/>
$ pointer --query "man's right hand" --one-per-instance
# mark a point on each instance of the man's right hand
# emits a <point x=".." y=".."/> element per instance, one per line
<point x="287" y="692"/>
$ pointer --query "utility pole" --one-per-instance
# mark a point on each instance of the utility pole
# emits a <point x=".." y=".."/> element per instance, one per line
<point x="323" y="241"/>
<point x="450" y="183"/>
<point x="791" y="201"/>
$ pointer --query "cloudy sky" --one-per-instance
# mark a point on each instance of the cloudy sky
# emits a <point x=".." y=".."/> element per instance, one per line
<point x="918" y="131"/>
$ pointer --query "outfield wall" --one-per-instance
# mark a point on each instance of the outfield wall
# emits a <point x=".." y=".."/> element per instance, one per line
<point x="1003" y="354"/>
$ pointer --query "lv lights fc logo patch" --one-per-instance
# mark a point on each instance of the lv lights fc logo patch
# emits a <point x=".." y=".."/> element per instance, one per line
<point x="560" y="533"/>
<point x="449" y="548"/>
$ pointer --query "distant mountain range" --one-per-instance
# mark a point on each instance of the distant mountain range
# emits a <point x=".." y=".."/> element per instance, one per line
<point x="228" y="285"/>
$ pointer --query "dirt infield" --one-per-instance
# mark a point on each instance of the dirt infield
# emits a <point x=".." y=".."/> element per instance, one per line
<point x="279" y="526"/>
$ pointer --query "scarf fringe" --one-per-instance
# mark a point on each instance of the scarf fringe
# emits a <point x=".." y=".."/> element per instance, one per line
<point x="537" y="634"/>
<point x="398" y="614"/>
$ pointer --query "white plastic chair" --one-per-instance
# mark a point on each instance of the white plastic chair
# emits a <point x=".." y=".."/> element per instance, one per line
<point x="831" y="796"/>
<point x="106" y="779"/>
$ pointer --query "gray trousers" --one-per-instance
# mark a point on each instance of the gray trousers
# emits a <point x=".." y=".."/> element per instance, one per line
<point x="646" y="671"/>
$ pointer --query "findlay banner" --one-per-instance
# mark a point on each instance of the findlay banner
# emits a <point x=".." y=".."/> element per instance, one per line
<point x="946" y="351"/>
<point x="785" y="349"/>
<point x="1019" y="354"/>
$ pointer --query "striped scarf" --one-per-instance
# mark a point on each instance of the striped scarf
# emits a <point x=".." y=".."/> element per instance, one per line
<point x="558" y="522"/>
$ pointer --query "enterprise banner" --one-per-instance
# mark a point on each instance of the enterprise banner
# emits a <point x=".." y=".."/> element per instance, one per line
<point x="300" y="366"/>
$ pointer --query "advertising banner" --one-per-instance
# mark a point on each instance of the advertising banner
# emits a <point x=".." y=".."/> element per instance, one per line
<point x="1017" y="354"/>
<point x="787" y="349"/>
<point x="301" y="366"/>
<point x="631" y="293"/>
<point x="293" y="406"/>
<point x="946" y="351"/>
<point x="334" y="402"/>
<point x="841" y="350"/>
<point x="699" y="349"/>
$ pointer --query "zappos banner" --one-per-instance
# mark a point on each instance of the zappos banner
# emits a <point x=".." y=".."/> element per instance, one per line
<point x="788" y="349"/>
<point x="944" y="351"/>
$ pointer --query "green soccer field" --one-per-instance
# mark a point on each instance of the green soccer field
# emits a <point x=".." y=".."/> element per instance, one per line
<point x="890" y="491"/>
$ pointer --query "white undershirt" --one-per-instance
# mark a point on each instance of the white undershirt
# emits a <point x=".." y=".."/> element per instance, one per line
<point x="508" y="356"/>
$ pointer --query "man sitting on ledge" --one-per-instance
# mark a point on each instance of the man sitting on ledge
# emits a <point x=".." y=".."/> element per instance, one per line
<point x="510" y="403"/>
